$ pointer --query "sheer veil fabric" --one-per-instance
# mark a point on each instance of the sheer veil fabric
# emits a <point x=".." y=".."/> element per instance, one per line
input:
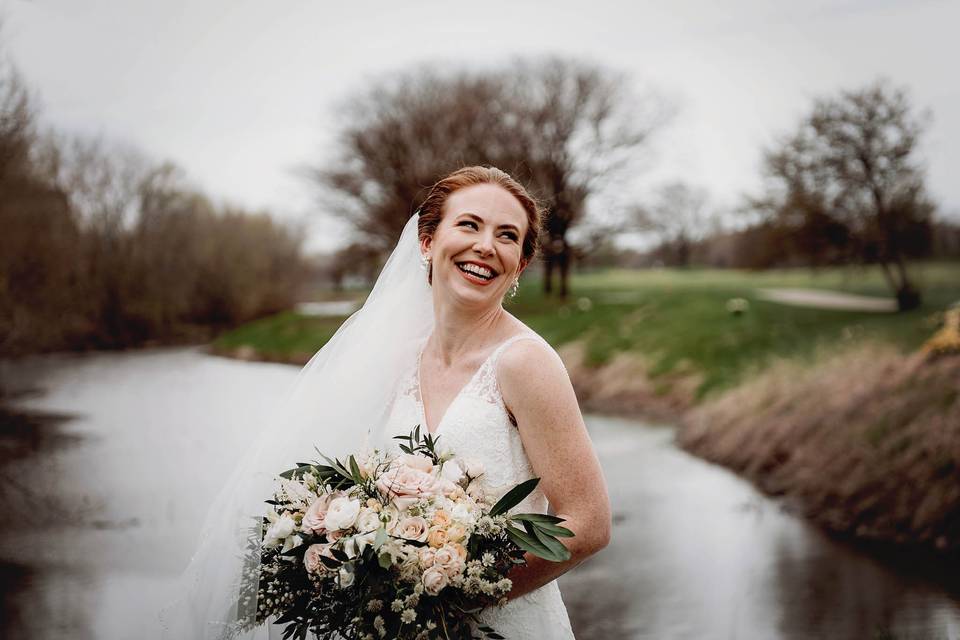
<point x="338" y="405"/>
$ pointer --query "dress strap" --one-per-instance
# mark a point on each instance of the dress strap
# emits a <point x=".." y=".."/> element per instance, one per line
<point x="526" y="335"/>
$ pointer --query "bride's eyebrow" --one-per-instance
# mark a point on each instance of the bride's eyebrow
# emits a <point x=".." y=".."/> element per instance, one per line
<point x="474" y="216"/>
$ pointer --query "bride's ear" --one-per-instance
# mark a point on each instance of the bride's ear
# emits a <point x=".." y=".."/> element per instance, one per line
<point x="425" y="244"/>
<point x="524" y="263"/>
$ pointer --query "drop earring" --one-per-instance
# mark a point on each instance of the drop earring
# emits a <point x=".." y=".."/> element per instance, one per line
<point x="425" y="262"/>
<point x="514" y="286"/>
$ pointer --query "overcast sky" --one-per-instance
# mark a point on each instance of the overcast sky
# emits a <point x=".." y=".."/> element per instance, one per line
<point x="240" y="92"/>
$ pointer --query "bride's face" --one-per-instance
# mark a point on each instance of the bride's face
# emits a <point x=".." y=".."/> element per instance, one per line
<point x="477" y="247"/>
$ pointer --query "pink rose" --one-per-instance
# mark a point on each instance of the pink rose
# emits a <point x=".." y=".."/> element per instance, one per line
<point x="311" y="559"/>
<point x="406" y="485"/>
<point x="412" y="528"/>
<point x="313" y="519"/>
<point x="434" y="581"/>
<point x="447" y="560"/>
<point x="427" y="556"/>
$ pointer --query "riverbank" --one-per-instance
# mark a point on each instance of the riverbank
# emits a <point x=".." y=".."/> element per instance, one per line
<point x="865" y="442"/>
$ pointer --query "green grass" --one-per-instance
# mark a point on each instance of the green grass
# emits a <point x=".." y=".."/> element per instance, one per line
<point x="678" y="319"/>
<point x="282" y="336"/>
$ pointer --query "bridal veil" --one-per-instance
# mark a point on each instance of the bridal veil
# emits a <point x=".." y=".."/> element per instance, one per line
<point x="338" y="405"/>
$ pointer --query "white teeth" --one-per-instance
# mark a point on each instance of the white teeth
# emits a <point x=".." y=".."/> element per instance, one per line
<point x="476" y="270"/>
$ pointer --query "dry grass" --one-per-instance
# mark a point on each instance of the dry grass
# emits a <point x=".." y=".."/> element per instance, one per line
<point x="624" y="386"/>
<point x="865" y="441"/>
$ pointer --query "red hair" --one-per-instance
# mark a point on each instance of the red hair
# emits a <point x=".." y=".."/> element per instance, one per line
<point x="431" y="211"/>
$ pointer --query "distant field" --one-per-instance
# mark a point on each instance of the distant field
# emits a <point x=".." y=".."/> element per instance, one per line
<point x="677" y="318"/>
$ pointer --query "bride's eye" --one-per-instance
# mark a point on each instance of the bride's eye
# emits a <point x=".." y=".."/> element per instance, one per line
<point x="510" y="234"/>
<point x="470" y="222"/>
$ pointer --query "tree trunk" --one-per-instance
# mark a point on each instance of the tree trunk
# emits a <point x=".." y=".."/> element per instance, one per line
<point x="564" y="259"/>
<point x="548" y="275"/>
<point x="908" y="297"/>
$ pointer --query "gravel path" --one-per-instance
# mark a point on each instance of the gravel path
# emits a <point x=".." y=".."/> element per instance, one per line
<point x="823" y="299"/>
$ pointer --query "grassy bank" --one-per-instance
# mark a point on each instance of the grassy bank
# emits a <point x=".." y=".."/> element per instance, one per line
<point x="864" y="441"/>
<point x="672" y="324"/>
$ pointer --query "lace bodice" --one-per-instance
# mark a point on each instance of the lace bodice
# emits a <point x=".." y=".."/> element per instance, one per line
<point x="476" y="425"/>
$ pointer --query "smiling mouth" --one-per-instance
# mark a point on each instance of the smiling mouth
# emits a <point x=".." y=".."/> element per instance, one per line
<point x="483" y="273"/>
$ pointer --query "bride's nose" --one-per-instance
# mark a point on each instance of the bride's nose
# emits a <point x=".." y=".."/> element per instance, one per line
<point x="483" y="246"/>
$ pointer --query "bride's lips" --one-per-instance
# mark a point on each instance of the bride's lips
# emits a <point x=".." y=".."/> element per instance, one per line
<point x="475" y="279"/>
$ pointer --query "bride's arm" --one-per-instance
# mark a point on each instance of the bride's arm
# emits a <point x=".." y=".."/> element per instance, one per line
<point x="537" y="390"/>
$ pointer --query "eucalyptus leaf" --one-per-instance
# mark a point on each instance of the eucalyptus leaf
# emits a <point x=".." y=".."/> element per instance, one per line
<point x="513" y="497"/>
<point x="529" y="543"/>
<point x="555" y="546"/>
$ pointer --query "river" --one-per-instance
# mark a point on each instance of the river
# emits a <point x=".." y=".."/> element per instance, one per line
<point x="108" y="460"/>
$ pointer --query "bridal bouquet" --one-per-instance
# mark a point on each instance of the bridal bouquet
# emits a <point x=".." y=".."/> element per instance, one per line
<point x="403" y="546"/>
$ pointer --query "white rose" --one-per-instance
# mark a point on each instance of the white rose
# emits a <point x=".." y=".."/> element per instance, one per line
<point x="475" y="491"/>
<point x="472" y="468"/>
<point x="281" y="528"/>
<point x="418" y="462"/>
<point x="291" y="542"/>
<point x="368" y="520"/>
<point x="342" y="513"/>
<point x="434" y="581"/>
<point x="464" y="513"/>
<point x="346" y="577"/>
<point x="451" y="472"/>
<point x="354" y="545"/>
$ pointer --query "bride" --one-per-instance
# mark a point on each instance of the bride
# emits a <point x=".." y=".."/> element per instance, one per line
<point x="433" y="347"/>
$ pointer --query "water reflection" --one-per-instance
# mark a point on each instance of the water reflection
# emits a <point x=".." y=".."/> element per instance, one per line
<point x="109" y="504"/>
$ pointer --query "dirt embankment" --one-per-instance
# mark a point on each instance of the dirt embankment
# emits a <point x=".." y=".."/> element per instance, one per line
<point x="865" y="443"/>
<point x="623" y="387"/>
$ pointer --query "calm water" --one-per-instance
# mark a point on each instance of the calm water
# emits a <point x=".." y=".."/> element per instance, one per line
<point x="104" y="483"/>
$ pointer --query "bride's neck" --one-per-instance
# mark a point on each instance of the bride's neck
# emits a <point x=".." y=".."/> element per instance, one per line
<point x="459" y="331"/>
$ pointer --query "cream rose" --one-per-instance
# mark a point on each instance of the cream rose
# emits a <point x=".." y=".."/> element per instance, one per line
<point x="412" y="528"/>
<point x="368" y="520"/>
<point x="342" y="513"/>
<point x="434" y="581"/>
<point x="456" y="533"/>
<point x="437" y="538"/>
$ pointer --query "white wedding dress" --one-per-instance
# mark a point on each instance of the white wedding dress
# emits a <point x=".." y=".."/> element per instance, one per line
<point x="476" y="425"/>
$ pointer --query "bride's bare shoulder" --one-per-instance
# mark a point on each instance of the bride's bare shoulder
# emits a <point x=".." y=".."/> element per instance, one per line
<point x="531" y="366"/>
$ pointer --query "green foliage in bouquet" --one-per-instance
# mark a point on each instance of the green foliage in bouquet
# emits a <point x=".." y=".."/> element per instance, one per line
<point x="371" y="578"/>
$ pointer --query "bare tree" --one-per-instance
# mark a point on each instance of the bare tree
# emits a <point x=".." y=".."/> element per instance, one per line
<point x="679" y="216"/>
<point x="578" y="127"/>
<point x="565" y="128"/>
<point x="851" y="172"/>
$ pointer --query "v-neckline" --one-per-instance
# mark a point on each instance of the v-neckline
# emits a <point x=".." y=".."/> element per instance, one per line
<point x="443" y="416"/>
